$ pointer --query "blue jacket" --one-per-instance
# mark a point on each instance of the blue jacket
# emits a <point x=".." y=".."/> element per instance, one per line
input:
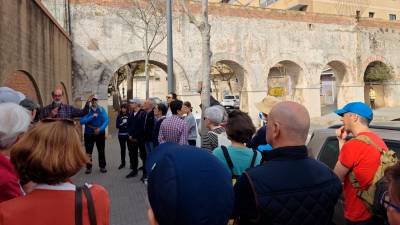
<point x="289" y="189"/>
<point x="101" y="121"/>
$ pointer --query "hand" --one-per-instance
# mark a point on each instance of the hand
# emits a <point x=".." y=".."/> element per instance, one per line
<point x="341" y="134"/>
<point x="97" y="131"/>
<point x="90" y="98"/>
<point x="54" y="112"/>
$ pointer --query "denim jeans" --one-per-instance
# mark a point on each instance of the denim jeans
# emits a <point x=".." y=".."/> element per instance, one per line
<point x="149" y="146"/>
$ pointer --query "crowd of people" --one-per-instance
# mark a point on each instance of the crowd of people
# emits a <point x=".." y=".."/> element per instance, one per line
<point x="238" y="175"/>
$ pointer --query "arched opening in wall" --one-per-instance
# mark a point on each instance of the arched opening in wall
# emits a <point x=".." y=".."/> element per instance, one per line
<point x="283" y="78"/>
<point x="23" y="82"/>
<point x="332" y="77"/>
<point x="227" y="84"/>
<point x="375" y="75"/>
<point x="130" y="81"/>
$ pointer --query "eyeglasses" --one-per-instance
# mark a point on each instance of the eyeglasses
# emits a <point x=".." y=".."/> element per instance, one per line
<point x="57" y="95"/>
<point x="387" y="203"/>
<point x="65" y="120"/>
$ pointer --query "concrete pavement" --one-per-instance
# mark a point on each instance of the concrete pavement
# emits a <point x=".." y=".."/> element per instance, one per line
<point x="128" y="196"/>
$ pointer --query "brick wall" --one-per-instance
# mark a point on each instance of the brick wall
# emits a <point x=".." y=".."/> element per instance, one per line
<point x="21" y="81"/>
<point x="32" y="41"/>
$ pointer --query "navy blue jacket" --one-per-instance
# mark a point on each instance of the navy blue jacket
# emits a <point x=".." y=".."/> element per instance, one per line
<point x="136" y="125"/>
<point x="289" y="189"/>
<point x="149" y="126"/>
<point x="260" y="138"/>
<point x="122" y="124"/>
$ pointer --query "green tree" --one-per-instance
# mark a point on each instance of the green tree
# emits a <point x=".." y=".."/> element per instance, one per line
<point x="378" y="71"/>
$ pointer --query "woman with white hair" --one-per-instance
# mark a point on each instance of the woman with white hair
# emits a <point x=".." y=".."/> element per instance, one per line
<point x="214" y="116"/>
<point x="14" y="121"/>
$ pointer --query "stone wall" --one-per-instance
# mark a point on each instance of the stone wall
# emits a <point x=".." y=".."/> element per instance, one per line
<point x="33" y="47"/>
<point x="252" y="41"/>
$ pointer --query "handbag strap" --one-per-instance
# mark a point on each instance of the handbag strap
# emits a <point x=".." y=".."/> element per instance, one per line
<point x="91" y="210"/>
<point x="253" y="160"/>
<point x="78" y="206"/>
<point x="227" y="158"/>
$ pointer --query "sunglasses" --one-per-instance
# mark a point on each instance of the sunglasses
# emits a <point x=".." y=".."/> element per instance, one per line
<point x="387" y="203"/>
<point x="64" y="120"/>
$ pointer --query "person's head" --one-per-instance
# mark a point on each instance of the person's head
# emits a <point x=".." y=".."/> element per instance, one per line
<point x="31" y="106"/>
<point x="355" y="116"/>
<point x="134" y="104"/>
<point x="160" y="110"/>
<point x="94" y="101"/>
<point x="288" y="125"/>
<point x="14" y="121"/>
<point x="57" y="95"/>
<point x="182" y="191"/>
<point x="266" y="105"/>
<point x="239" y="127"/>
<point x="213" y="116"/>
<point x="176" y="107"/>
<point x="49" y="153"/>
<point x="392" y="197"/>
<point x="123" y="109"/>
<point x="187" y="107"/>
<point x="171" y="97"/>
<point x="10" y="95"/>
<point x="148" y="105"/>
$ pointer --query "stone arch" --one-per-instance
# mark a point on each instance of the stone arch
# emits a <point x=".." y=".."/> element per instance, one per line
<point x="284" y="77"/>
<point x="383" y="95"/>
<point x="66" y="94"/>
<point x="334" y="74"/>
<point x="22" y="81"/>
<point x="182" y="83"/>
<point x="240" y="75"/>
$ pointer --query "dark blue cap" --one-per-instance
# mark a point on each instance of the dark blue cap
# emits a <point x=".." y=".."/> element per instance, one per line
<point x="188" y="186"/>
<point x="358" y="108"/>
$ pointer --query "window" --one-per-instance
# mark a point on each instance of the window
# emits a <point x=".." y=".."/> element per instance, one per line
<point x="392" y="16"/>
<point x="330" y="152"/>
<point x="393" y="145"/>
<point x="371" y="14"/>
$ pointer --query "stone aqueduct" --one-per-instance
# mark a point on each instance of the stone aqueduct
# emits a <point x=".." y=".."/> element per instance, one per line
<point x="251" y="41"/>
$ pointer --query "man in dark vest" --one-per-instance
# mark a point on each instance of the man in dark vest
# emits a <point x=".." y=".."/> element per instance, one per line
<point x="290" y="188"/>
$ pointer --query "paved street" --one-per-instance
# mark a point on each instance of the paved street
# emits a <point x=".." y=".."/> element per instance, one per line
<point x="128" y="196"/>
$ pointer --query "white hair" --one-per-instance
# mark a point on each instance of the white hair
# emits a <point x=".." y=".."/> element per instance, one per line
<point x="215" y="114"/>
<point x="14" y="120"/>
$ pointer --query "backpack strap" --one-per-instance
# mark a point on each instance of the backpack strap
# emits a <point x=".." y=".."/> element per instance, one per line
<point x="90" y="204"/>
<point x="227" y="158"/>
<point x="367" y="140"/>
<point x="253" y="160"/>
<point x="78" y="206"/>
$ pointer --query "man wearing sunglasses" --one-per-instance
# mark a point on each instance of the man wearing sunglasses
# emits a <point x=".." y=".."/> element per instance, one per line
<point x="391" y="199"/>
<point x="58" y="109"/>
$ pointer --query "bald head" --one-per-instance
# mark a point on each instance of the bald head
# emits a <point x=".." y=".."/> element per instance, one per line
<point x="289" y="123"/>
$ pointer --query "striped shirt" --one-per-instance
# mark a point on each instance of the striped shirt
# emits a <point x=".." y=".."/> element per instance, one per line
<point x="210" y="141"/>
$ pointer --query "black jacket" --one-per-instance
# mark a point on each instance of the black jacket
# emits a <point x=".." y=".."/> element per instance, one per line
<point x="289" y="189"/>
<point x="122" y="123"/>
<point x="136" y="125"/>
<point x="260" y="138"/>
<point x="157" y="131"/>
<point x="149" y="126"/>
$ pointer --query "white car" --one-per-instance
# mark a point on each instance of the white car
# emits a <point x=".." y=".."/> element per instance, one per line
<point x="230" y="101"/>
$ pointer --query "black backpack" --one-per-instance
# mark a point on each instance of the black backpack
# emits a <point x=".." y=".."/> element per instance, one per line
<point x="230" y="163"/>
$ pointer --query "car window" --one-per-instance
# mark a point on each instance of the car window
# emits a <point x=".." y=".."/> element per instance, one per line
<point x="393" y="145"/>
<point x="229" y="97"/>
<point x="329" y="152"/>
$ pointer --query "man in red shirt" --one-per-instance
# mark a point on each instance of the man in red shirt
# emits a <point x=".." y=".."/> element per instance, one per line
<point x="359" y="158"/>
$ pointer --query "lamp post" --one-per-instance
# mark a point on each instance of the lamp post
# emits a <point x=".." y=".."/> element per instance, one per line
<point x="170" y="68"/>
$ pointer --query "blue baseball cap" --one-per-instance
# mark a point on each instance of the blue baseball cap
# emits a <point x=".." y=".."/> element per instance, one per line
<point x="188" y="185"/>
<point x="358" y="108"/>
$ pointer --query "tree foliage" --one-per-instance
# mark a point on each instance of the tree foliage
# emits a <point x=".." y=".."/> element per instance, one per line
<point x="377" y="72"/>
